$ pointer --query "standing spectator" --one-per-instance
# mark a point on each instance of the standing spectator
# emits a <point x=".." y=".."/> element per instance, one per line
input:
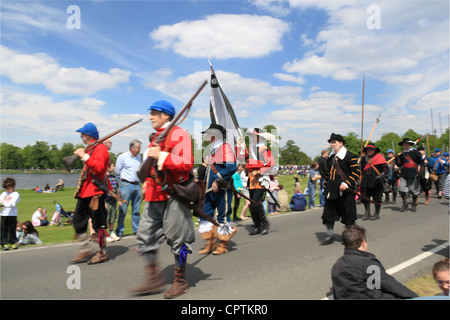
<point x="273" y="188"/>
<point x="238" y="187"/>
<point x="314" y="175"/>
<point x="244" y="191"/>
<point x="56" y="218"/>
<point x="126" y="166"/>
<point x="111" y="202"/>
<point x="322" y="169"/>
<point x="438" y="165"/>
<point x="30" y="234"/>
<point x="298" y="200"/>
<point x="8" y="201"/>
<point x="352" y="273"/>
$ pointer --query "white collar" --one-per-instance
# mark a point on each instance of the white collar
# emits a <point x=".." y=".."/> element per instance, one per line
<point x="341" y="154"/>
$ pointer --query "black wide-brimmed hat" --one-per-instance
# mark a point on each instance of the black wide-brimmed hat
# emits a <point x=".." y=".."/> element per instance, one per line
<point x="218" y="127"/>
<point x="337" y="137"/>
<point x="371" y="146"/>
<point x="405" y="140"/>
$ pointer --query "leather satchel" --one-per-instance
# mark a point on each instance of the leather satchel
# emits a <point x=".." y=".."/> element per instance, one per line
<point x="189" y="191"/>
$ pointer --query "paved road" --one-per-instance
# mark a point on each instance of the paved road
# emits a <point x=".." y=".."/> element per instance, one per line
<point x="286" y="264"/>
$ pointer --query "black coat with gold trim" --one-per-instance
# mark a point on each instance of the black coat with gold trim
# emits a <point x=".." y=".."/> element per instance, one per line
<point x="350" y="167"/>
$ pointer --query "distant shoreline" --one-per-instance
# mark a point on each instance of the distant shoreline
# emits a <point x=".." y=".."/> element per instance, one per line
<point x="39" y="171"/>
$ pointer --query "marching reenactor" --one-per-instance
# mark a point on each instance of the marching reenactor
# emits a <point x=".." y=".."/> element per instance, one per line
<point x="260" y="163"/>
<point x="438" y="166"/>
<point x="341" y="177"/>
<point x="374" y="170"/>
<point x="221" y="165"/>
<point x="392" y="178"/>
<point x="91" y="199"/>
<point x="411" y="163"/>
<point x="165" y="217"/>
<point x="425" y="181"/>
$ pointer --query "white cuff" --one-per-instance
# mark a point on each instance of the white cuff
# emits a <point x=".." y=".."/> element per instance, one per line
<point x="85" y="158"/>
<point x="162" y="158"/>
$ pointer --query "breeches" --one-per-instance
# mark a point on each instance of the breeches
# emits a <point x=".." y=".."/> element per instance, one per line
<point x="83" y="212"/>
<point x="169" y="221"/>
<point x="343" y="208"/>
<point x="220" y="201"/>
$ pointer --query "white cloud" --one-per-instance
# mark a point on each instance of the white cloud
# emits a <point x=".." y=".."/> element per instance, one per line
<point x="40" y="68"/>
<point x="223" y="36"/>
<point x="26" y="115"/>
<point x="410" y="38"/>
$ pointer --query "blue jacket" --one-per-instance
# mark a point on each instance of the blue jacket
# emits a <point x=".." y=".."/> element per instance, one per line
<point x="438" y="166"/>
<point x="298" y="202"/>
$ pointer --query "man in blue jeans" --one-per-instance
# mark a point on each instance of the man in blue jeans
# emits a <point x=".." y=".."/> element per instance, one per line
<point x="130" y="189"/>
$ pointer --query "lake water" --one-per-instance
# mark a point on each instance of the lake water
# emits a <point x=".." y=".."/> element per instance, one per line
<point x="31" y="180"/>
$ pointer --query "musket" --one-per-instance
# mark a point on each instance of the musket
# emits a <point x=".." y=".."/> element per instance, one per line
<point x="103" y="187"/>
<point x="144" y="170"/>
<point x="231" y="187"/>
<point x="193" y="206"/>
<point x="70" y="160"/>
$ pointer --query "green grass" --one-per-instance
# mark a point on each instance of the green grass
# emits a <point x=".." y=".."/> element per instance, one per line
<point x="30" y="200"/>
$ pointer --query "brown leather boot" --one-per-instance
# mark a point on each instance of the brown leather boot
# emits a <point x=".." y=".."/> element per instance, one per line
<point x="98" y="258"/>
<point x="223" y="242"/>
<point x="210" y="238"/>
<point x="154" y="281"/>
<point x="179" y="286"/>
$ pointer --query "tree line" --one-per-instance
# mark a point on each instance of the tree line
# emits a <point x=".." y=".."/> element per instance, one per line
<point x="42" y="155"/>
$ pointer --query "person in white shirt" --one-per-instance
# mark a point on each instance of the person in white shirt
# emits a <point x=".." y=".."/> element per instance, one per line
<point x="8" y="201"/>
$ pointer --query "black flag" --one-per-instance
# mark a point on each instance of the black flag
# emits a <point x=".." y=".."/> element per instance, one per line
<point x="222" y="113"/>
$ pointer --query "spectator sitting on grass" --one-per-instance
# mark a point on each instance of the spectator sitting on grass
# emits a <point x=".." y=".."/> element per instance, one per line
<point x="30" y="234"/>
<point x="298" y="200"/>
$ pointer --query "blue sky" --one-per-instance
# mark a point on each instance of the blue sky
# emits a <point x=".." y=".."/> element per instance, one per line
<point x="295" y="64"/>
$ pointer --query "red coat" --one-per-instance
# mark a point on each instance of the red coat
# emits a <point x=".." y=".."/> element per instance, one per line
<point x="97" y="164"/>
<point x="263" y="166"/>
<point x="176" y="157"/>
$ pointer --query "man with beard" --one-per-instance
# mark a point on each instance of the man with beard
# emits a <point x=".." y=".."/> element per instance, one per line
<point x="341" y="177"/>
